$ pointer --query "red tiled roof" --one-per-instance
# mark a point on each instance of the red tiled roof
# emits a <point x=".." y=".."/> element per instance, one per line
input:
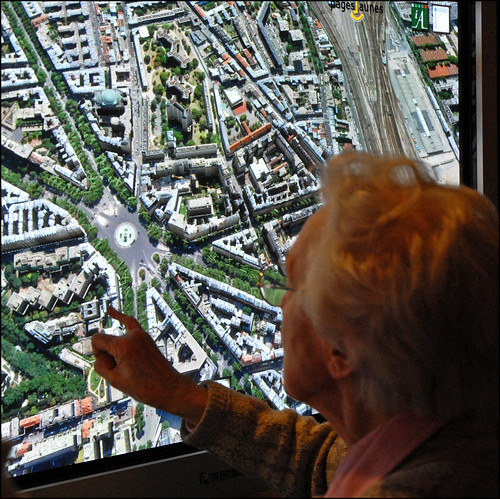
<point x="420" y="40"/>
<point x="240" y="108"/>
<point x="200" y="11"/>
<point x="27" y="446"/>
<point x="434" y="55"/>
<point x="85" y="406"/>
<point x="31" y="421"/>
<point x="36" y="22"/>
<point x="248" y="138"/>
<point x="86" y="427"/>
<point x="443" y="71"/>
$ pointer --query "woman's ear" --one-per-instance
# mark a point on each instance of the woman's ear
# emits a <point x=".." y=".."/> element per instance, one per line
<point x="338" y="363"/>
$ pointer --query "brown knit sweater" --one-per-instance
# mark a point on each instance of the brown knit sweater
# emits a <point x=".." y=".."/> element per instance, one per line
<point x="298" y="456"/>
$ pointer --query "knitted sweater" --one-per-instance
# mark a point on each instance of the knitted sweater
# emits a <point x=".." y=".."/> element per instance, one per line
<point x="297" y="456"/>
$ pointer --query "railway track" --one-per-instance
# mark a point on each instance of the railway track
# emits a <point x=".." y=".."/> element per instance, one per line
<point x="374" y="106"/>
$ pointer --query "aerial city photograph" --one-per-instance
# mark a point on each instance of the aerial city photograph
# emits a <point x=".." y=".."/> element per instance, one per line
<point x="158" y="156"/>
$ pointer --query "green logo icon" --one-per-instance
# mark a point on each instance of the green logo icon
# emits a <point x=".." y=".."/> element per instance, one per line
<point x="419" y="16"/>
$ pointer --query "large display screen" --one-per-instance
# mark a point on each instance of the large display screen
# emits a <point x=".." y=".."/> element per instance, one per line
<point x="157" y="156"/>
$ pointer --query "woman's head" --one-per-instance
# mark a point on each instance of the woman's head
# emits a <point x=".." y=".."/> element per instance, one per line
<point x="408" y="269"/>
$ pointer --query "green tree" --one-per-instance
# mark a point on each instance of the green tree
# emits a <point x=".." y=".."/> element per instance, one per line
<point x="198" y="91"/>
<point x="197" y="113"/>
<point x="154" y="232"/>
<point x="139" y="409"/>
<point x="197" y="335"/>
<point x="164" y="266"/>
<point x="163" y="77"/>
<point x="144" y="216"/>
<point x="257" y="392"/>
<point x="132" y="202"/>
<point x="140" y="423"/>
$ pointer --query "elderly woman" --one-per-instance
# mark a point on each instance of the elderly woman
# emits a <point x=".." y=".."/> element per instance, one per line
<point x="390" y="330"/>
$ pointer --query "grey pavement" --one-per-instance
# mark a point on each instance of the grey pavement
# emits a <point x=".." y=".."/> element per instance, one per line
<point x="106" y="222"/>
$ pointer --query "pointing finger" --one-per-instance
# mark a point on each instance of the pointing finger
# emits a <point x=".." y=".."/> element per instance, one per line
<point x="127" y="320"/>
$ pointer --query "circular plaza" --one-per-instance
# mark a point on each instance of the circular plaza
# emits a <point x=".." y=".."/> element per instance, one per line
<point x="125" y="235"/>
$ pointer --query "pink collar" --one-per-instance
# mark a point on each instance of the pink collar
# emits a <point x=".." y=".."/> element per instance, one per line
<point x="378" y="453"/>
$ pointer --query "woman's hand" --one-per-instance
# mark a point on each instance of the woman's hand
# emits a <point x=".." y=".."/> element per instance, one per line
<point x="134" y="364"/>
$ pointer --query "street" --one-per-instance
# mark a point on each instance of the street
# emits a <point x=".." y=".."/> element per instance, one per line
<point x="106" y="222"/>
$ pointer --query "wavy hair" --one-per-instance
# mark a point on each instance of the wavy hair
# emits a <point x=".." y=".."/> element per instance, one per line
<point x="409" y="268"/>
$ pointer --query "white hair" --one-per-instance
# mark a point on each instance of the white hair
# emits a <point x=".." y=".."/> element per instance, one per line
<point x="409" y="268"/>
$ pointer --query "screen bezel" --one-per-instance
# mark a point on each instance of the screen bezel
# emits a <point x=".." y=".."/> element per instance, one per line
<point x="467" y="93"/>
<point x="103" y="465"/>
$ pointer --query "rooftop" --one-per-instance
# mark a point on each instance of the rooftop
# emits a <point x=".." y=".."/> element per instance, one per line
<point x="108" y="98"/>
